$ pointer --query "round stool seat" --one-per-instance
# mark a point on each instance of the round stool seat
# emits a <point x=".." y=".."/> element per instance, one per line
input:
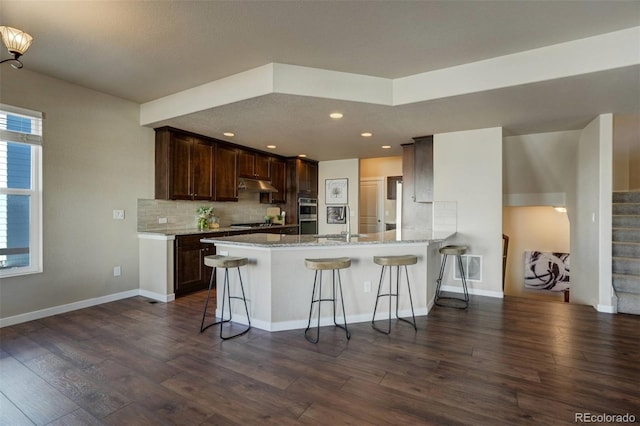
<point x="453" y="250"/>
<point x="405" y="259"/>
<point x="328" y="263"/>
<point x="217" y="261"/>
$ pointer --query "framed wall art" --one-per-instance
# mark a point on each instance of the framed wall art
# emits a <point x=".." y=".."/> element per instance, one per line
<point x="336" y="214"/>
<point x="337" y="191"/>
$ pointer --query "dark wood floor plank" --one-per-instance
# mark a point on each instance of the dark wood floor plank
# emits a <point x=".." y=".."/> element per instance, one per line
<point x="11" y="415"/>
<point x="20" y="386"/>
<point x="95" y="397"/>
<point x="502" y="361"/>
<point x="77" y="418"/>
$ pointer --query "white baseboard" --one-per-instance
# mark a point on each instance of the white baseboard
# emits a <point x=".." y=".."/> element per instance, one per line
<point x="474" y="291"/>
<point x="608" y="309"/>
<point x="157" y="296"/>
<point x="55" y="310"/>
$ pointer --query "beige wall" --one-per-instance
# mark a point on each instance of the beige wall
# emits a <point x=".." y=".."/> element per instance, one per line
<point x="334" y="170"/>
<point x="626" y="152"/>
<point x="380" y="167"/>
<point x="541" y="163"/>
<point x="589" y="212"/>
<point x="539" y="228"/>
<point x="468" y="170"/>
<point x="96" y="158"/>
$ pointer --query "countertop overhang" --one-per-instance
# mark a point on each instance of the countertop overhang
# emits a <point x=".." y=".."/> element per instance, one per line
<point x="278" y="240"/>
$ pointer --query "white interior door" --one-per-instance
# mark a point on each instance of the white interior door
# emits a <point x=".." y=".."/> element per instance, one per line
<point x="371" y="206"/>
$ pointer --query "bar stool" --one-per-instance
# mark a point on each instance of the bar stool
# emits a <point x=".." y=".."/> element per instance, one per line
<point x="390" y="262"/>
<point x="456" y="251"/>
<point x="319" y="265"/>
<point x="226" y="262"/>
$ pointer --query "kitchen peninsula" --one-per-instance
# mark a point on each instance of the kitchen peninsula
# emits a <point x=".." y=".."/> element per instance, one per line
<point x="278" y="286"/>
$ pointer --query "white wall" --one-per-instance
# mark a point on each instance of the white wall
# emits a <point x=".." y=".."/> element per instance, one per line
<point x="590" y="215"/>
<point x="96" y="158"/>
<point x="349" y="169"/>
<point x="468" y="170"/>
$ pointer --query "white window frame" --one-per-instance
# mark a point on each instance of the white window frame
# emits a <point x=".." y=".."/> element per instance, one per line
<point x="35" y="193"/>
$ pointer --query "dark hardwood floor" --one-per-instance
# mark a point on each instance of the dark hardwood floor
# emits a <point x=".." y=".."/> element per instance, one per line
<point x="132" y="362"/>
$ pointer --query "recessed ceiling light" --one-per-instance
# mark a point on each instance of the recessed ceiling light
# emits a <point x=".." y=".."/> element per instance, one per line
<point x="302" y="155"/>
<point x="271" y="146"/>
<point x="229" y="134"/>
<point x="366" y="134"/>
<point x="386" y="146"/>
<point x="336" y="115"/>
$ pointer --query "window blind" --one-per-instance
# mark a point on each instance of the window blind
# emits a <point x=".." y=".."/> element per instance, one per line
<point x="26" y="128"/>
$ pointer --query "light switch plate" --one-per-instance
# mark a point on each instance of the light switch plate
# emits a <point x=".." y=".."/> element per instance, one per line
<point x="118" y="214"/>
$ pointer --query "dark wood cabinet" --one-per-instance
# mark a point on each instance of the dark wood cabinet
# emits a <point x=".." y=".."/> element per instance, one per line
<point x="423" y="169"/>
<point x="307" y="173"/>
<point x="279" y="181"/>
<point x="253" y="165"/>
<point x="302" y="181"/>
<point x="391" y="186"/>
<point x="190" y="272"/>
<point x="226" y="173"/>
<point x="184" y="167"/>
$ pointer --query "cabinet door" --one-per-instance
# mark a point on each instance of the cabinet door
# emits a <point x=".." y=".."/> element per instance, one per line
<point x="179" y="167"/>
<point x="226" y="172"/>
<point x="246" y="164"/>
<point x="423" y="169"/>
<point x="304" y="184"/>
<point x="202" y="170"/>
<point x="279" y="181"/>
<point x="262" y="169"/>
<point x="313" y="180"/>
<point x="189" y="271"/>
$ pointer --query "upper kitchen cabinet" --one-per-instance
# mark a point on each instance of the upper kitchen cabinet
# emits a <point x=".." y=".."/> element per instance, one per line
<point x="423" y="169"/>
<point x="184" y="166"/>
<point x="279" y="181"/>
<point x="226" y="173"/>
<point x="253" y="165"/>
<point x="307" y="175"/>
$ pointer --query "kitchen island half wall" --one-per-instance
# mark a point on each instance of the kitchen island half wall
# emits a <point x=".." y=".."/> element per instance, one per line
<point x="278" y="285"/>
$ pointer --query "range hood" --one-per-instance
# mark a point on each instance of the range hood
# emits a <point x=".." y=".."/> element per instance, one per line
<point x="254" y="185"/>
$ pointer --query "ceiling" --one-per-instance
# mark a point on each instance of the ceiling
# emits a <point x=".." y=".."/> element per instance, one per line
<point x="145" y="50"/>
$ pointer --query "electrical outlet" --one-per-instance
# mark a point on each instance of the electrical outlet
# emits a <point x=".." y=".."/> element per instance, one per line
<point x="118" y="214"/>
<point x="162" y="220"/>
<point x="367" y="286"/>
<point x="117" y="271"/>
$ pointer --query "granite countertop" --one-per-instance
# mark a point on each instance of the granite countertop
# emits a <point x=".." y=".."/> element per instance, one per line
<point x="195" y="231"/>
<point x="277" y="240"/>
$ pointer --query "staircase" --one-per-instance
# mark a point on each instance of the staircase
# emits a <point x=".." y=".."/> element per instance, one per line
<point x="626" y="251"/>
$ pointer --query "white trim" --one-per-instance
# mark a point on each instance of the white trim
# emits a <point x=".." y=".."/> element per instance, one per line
<point x="56" y="310"/>
<point x="608" y="309"/>
<point x="324" y="321"/>
<point x="155" y="236"/>
<point x="157" y="296"/>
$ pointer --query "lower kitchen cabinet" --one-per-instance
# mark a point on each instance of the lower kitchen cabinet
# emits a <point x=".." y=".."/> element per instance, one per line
<point x="190" y="273"/>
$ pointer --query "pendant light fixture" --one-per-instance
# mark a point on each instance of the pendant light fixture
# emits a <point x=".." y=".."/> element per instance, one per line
<point x="17" y="42"/>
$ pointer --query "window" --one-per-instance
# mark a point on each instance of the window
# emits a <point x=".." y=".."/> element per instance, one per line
<point x="20" y="191"/>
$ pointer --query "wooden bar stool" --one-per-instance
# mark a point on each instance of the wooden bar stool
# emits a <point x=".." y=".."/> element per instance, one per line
<point x="390" y="262"/>
<point x="319" y="265"/>
<point x="226" y="262"/>
<point x="452" y="302"/>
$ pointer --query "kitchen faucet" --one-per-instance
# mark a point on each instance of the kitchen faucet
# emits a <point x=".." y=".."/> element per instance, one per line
<point x="348" y="213"/>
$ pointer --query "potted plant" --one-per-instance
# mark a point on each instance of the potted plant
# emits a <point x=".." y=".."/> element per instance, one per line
<point x="204" y="214"/>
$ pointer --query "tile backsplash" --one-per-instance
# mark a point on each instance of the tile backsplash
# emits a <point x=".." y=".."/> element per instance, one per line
<point x="182" y="214"/>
